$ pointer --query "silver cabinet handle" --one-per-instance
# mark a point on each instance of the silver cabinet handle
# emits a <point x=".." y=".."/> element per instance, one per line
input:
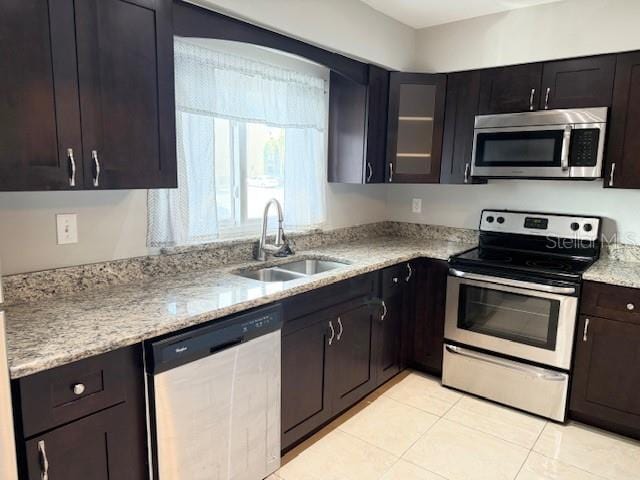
<point x="384" y="311"/>
<point x="44" y="462"/>
<point x="410" y="270"/>
<point x="585" y="333"/>
<point x="341" y="329"/>
<point x="369" y="172"/>
<point x="96" y="162"/>
<point x="79" y="388"/>
<point x="390" y="172"/>
<point x="531" y="97"/>
<point x="72" y="167"/>
<point x="333" y="332"/>
<point x="631" y="307"/>
<point x="613" y="171"/>
<point x="466" y="173"/>
<point x="546" y="99"/>
<point x="564" y="155"/>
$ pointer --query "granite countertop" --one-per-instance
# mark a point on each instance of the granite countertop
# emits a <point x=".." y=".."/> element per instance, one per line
<point x="615" y="272"/>
<point x="51" y="332"/>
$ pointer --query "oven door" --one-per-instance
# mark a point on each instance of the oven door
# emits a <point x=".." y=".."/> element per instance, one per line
<point x="521" y="319"/>
<point x="531" y="151"/>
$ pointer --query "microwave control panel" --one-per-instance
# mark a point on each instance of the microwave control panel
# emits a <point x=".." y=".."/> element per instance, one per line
<point x="584" y="147"/>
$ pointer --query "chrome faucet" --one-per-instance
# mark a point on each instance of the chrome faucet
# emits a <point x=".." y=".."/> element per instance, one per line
<point x="282" y="245"/>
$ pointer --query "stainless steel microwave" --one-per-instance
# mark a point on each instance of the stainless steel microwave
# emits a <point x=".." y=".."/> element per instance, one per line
<point x="561" y="144"/>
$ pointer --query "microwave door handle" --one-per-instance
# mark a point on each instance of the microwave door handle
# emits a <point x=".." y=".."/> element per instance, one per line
<point x="508" y="282"/>
<point x="564" y="156"/>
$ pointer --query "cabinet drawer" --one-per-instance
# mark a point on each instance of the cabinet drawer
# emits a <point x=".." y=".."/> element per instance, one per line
<point x="326" y="297"/>
<point x="394" y="278"/>
<point x="609" y="301"/>
<point x="48" y="399"/>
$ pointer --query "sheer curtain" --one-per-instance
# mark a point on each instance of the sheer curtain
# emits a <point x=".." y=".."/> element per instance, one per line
<point x="216" y="85"/>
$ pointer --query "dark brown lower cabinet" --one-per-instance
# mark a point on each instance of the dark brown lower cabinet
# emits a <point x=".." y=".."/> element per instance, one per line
<point x="84" y="420"/>
<point x="606" y="375"/>
<point x="427" y="325"/>
<point x="103" y="446"/>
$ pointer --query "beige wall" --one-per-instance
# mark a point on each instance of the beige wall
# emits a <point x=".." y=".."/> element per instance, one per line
<point x="557" y="30"/>
<point x="112" y="225"/>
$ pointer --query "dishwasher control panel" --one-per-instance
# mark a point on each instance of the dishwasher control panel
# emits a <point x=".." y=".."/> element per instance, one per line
<point x="203" y="341"/>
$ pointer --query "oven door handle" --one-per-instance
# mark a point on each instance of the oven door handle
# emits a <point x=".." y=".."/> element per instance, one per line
<point x="526" y="369"/>
<point x="513" y="283"/>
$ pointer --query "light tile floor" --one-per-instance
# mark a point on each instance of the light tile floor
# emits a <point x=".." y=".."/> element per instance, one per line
<point x="415" y="429"/>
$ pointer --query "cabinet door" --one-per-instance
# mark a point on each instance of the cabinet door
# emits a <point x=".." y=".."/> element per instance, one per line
<point x="376" y="141"/>
<point x="428" y="320"/>
<point x="623" y="150"/>
<point x="510" y="89"/>
<point x="305" y="400"/>
<point x="351" y="373"/>
<point x="579" y="83"/>
<point x="388" y="325"/>
<point x="125" y="68"/>
<point x="463" y="95"/>
<point x="606" y="374"/>
<point x="347" y="130"/>
<point x="39" y="110"/>
<point x="414" y="127"/>
<point x="104" y="446"/>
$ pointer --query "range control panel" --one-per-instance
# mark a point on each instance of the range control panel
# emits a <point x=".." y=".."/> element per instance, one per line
<point x="541" y="224"/>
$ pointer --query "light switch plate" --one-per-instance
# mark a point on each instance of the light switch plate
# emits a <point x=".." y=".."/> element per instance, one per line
<point x="67" y="228"/>
<point x="416" y="205"/>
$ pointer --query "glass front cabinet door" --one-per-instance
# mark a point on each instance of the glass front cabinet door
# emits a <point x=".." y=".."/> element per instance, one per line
<point x="415" y="124"/>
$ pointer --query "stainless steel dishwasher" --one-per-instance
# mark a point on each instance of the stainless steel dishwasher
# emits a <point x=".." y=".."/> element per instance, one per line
<point x="214" y="395"/>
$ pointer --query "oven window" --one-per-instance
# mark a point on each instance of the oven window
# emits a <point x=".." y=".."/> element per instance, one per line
<point x="520" y="318"/>
<point x="519" y="149"/>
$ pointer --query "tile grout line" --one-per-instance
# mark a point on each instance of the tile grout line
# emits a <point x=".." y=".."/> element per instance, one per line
<point x="531" y="450"/>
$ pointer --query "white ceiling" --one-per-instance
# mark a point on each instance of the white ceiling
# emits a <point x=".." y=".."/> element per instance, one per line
<point x="426" y="13"/>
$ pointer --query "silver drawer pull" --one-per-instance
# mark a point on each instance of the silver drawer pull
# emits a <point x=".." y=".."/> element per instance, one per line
<point x="79" y="388"/>
<point x="369" y="171"/>
<point x="466" y="173"/>
<point x="631" y="307"/>
<point x="613" y="172"/>
<point x="72" y="167"/>
<point x="96" y="162"/>
<point x="341" y="329"/>
<point x="546" y="99"/>
<point x="44" y="462"/>
<point x="585" y="333"/>
<point x="384" y="311"/>
<point x="531" y="97"/>
<point x="333" y="333"/>
<point x="410" y="272"/>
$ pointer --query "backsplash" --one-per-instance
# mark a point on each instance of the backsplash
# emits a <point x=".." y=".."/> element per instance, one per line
<point x="63" y="281"/>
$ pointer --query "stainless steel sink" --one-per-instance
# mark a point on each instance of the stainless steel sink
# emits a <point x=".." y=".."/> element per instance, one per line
<point x="291" y="271"/>
<point x="311" y="266"/>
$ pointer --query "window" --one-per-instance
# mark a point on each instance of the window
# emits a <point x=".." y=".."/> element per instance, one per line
<point x="247" y="131"/>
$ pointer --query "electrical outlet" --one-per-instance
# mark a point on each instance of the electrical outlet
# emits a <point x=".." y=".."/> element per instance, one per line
<point x="416" y="205"/>
<point x="67" y="228"/>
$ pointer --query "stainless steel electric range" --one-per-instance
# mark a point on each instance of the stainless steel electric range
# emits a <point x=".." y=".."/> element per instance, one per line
<point x="512" y="306"/>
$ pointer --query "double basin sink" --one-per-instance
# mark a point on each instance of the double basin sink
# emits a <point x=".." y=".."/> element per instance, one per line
<point x="293" y="270"/>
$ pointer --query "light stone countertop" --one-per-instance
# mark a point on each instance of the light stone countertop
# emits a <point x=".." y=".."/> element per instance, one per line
<point x="52" y="332"/>
<point x="614" y="272"/>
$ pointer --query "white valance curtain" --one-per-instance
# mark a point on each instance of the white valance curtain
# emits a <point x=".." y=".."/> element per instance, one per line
<point x="212" y="84"/>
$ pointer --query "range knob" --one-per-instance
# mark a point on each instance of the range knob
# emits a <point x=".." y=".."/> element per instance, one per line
<point x="490" y="219"/>
<point x="588" y="227"/>
<point x="501" y="220"/>
<point x="575" y="226"/>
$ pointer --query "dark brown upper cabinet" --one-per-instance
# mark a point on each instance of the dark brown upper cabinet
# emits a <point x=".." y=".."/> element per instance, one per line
<point x="510" y="89"/>
<point x="357" y="128"/>
<point x="463" y="96"/>
<point x="39" y="110"/>
<point x="578" y="83"/>
<point x="88" y="95"/>
<point x="414" y="127"/>
<point x="622" y="165"/>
